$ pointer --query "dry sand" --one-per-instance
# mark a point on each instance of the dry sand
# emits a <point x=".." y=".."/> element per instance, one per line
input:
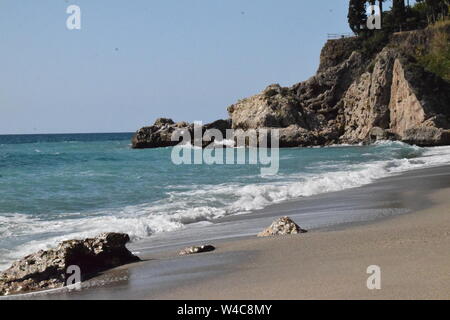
<point x="413" y="252"/>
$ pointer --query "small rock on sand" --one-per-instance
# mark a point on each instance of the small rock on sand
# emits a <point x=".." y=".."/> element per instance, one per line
<point x="282" y="226"/>
<point x="196" y="249"/>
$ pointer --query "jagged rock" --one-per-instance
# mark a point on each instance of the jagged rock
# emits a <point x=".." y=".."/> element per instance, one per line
<point x="160" y="122"/>
<point x="406" y="109"/>
<point x="366" y="102"/>
<point x="427" y="136"/>
<point x="47" y="269"/>
<point x="379" y="134"/>
<point x="280" y="227"/>
<point x="345" y="102"/>
<point x="160" y="134"/>
<point x="274" y="107"/>
<point x="195" y="249"/>
<point x="336" y="51"/>
<point x="307" y="112"/>
<point x="350" y="95"/>
<point x="396" y="96"/>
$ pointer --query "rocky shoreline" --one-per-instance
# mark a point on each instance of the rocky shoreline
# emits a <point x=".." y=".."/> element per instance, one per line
<point x="354" y="98"/>
<point x="56" y="268"/>
<point x="52" y="268"/>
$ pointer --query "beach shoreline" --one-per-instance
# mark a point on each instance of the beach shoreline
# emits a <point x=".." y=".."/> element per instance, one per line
<point x="329" y="262"/>
<point x="410" y="249"/>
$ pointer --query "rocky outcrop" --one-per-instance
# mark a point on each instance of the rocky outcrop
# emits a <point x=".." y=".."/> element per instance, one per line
<point x="366" y="102"/>
<point x="280" y="227"/>
<point x="427" y="136"/>
<point x="160" y="134"/>
<point x="353" y="98"/>
<point x="397" y="96"/>
<point x="196" y="249"/>
<point x="47" y="269"/>
<point x="336" y="51"/>
<point x="309" y="113"/>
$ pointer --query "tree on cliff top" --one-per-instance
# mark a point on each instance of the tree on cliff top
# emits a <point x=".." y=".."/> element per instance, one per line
<point x="357" y="15"/>
<point x="399" y="14"/>
<point x="434" y="9"/>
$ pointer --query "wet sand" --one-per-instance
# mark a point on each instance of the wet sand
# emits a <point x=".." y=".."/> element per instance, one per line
<point x="412" y="252"/>
<point x="401" y="224"/>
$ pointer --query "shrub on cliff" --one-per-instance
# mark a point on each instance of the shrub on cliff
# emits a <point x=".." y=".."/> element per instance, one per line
<point x="438" y="58"/>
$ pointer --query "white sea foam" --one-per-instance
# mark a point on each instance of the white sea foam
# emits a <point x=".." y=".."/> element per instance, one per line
<point x="225" y="142"/>
<point x="27" y="234"/>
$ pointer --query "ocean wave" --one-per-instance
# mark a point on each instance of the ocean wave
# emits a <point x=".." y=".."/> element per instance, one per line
<point x="21" y="234"/>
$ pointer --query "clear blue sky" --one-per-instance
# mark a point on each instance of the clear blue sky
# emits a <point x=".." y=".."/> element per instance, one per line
<point x="136" y="60"/>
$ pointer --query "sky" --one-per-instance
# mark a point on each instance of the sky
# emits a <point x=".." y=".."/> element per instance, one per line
<point x="134" y="61"/>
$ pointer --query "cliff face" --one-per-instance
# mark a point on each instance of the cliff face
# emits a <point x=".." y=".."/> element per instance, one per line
<point x="353" y="99"/>
<point x="308" y="113"/>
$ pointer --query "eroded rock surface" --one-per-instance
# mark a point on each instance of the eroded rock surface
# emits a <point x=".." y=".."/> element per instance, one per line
<point x="353" y="98"/>
<point x="47" y="269"/>
<point x="160" y="134"/>
<point x="280" y="227"/>
<point x="346" y="102"/>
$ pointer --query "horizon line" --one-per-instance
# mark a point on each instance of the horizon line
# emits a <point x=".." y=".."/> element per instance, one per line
<point x="60" y="133"/>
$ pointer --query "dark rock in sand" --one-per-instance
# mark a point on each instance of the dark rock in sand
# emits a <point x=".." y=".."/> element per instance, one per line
<point x="280" y="227"/>
<point x="47" y="269"/>
<point x="195" y="249"/>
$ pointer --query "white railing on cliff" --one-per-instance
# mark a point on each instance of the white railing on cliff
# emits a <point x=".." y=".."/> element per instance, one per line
<point x="332" y="36"/>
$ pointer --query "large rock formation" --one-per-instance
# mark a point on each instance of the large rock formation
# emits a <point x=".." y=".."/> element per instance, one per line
<point x="47" y="269"/>
<point x="307" y="114"/>
<point x="353" y="98"/>
<point x="160" y="134"/>
<point x="397" y="96"/>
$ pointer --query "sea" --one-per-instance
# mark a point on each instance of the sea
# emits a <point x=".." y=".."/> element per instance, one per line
<point x="66" y="186"/>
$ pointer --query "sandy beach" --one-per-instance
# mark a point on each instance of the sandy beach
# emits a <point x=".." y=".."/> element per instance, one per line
<point x="225" y="151"/>
<point x="326" y="263"/>
<point x="411" y="250"/>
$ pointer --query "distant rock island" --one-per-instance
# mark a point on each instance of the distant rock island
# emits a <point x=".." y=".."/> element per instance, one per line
<point x="355" y="97"/>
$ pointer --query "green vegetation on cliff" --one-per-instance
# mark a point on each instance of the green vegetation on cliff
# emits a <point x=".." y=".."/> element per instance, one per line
<point x="437" y="60"/>
<point x="429" y="18"/>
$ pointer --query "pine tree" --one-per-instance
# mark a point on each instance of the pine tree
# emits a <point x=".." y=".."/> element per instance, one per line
<point x="399" y="14"/>
<point x="357" y="15"/>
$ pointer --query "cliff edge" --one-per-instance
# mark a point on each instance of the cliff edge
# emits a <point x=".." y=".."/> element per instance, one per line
<point x="355" y="97"/>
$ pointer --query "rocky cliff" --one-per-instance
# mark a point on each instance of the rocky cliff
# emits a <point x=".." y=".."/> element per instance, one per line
<point x="354" y="97"/>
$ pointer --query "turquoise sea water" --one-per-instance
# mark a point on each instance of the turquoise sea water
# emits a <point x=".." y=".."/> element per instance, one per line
<point x="55" y="187"/>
